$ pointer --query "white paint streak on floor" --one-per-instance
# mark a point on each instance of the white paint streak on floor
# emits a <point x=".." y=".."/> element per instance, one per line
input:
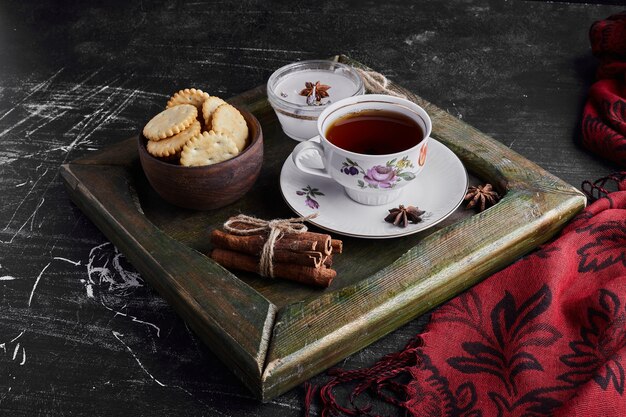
<point x="32" y="293"/>
<point x="118" y="336"/>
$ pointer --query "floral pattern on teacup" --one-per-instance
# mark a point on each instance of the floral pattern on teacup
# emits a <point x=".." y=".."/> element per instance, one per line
<point x="380" y="176"/>
<point x="309" y="194"/>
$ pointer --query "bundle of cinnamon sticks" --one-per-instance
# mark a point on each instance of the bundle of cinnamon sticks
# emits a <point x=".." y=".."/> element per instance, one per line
<point x="305" y="257"/>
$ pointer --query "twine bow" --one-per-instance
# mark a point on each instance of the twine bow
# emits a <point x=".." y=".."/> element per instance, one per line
<point x="377" y="83"/>
<point x="248" y="225"/>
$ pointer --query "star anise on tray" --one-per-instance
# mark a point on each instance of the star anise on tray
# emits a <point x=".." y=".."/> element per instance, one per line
<point x="314" y="92"/>
<point x="401" y="216"/>
<point x="481" y="197"/>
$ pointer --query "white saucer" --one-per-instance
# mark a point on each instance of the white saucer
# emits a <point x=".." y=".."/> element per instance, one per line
<point x="439" y="189"/>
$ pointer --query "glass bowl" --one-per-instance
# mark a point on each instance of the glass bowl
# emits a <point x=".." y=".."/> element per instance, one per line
<point x="297" y="112"/>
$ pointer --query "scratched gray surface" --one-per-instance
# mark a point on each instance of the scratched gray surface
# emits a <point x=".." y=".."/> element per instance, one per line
<point x="80" y="332"/>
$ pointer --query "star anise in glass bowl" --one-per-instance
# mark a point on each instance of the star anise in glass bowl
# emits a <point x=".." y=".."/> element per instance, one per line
<point x="314" y="93"/>
<point x="481" y="197"/>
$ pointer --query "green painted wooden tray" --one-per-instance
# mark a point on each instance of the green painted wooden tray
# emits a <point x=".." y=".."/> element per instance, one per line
<point x="275" y="334"/>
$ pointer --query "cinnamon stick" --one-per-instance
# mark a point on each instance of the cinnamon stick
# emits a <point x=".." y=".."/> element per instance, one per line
<point x="321" y="276"/>
<point x="324" y="242"/>
<point x="337" y="245"/>
<point x="285" y="250"/>
<point x="255" y="242"/>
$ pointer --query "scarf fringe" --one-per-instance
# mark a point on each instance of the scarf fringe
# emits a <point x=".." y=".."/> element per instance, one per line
<point x="599" y="188"/>
<point x="376" y="380"/>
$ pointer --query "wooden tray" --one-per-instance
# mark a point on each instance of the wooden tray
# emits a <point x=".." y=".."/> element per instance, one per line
<point x="275" y="334"/>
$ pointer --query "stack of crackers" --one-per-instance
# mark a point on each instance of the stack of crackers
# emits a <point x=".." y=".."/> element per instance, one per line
<point x="196" y="129"/>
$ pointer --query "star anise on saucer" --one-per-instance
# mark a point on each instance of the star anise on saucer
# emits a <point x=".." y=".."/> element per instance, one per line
<point x="481" y="197"/>
<point x="314" y="92"/>
<point x="401" y="216"/>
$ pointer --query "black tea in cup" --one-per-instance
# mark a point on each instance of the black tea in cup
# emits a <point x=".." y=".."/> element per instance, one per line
<point x="375" y="132"/>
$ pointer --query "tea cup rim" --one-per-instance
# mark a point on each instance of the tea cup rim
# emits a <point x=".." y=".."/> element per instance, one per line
<point x="374" y="98"/>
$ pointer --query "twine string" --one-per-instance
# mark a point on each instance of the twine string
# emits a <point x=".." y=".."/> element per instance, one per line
<point x="244" y="225"/>
<point x="377" y="83"/>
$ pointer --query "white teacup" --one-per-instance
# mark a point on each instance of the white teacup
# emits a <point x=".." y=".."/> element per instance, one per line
<point x="367" y="179"/>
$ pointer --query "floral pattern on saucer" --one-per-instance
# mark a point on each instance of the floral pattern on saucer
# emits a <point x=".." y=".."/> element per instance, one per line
<point x="380" y="176"/>
<point x="310" y="192"/>
<point x="439" y="189"/>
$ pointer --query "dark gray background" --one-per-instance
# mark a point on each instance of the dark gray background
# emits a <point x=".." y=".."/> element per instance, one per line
<point x="81" y="334"/>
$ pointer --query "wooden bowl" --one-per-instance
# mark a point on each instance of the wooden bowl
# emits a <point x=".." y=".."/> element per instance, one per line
<point x="210" y="186"/>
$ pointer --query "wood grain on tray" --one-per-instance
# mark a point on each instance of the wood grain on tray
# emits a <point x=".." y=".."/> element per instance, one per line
<point x="276" y="335"/>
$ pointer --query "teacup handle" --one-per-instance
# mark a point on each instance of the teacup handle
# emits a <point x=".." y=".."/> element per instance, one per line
<point x="306" y="146"/>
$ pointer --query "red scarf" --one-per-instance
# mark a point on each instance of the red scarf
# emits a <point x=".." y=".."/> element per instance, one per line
<point x="545" y="336"/>
<point x="604" y="115"/>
